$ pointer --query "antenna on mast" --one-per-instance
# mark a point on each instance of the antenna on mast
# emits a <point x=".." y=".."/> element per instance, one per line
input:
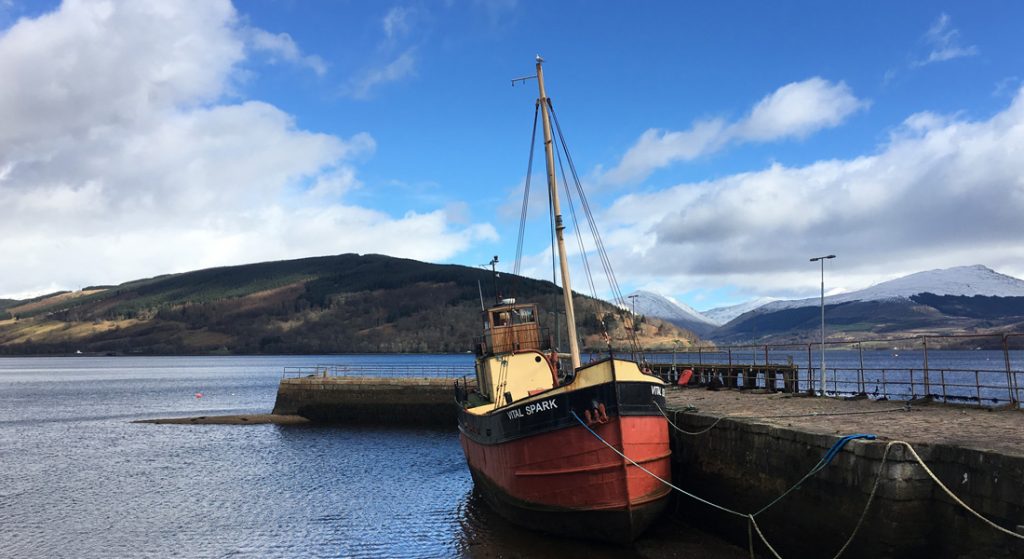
<point x="494" y="271"/>
<point x="525" y="78"/>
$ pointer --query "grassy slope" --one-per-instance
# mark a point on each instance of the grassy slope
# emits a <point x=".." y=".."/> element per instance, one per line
<point x="344" y="303"/>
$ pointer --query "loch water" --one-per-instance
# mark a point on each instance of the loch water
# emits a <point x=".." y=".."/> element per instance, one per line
<point x="79" y="479"/>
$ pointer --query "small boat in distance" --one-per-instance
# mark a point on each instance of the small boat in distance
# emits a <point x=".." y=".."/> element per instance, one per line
<point x="546" y="439"/>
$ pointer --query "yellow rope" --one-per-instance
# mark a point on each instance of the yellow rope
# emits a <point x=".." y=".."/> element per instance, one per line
<point x="954" y="497"/>
<point x="752" y="522"/>
<point x="683" y="431"/>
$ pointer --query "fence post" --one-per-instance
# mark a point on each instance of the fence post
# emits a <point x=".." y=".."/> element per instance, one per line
<point x="860" y="379"/>
<point x="1009" y="373"/>
<point x="766" y="374"/>
<point x="730" y="371"/>
<point x="810" y="371"/>
<point x="927" y="385"/>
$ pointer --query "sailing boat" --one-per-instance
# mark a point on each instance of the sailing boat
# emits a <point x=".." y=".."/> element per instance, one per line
<point x="562" y="451"/>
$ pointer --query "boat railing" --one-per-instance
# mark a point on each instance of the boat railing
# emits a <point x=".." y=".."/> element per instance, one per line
<point x="381" y="371"/>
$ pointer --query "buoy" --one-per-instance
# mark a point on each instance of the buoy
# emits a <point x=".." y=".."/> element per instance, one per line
<point x="684" y="378"/>
<point x="199" y="395"/>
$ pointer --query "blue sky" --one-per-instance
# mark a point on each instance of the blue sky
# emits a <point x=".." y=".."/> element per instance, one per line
<point x="722" y="144"/>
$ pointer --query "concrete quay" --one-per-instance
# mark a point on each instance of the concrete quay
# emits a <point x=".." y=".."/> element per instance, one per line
<point x="763" y="443"/>
<point x="755" y="445"/>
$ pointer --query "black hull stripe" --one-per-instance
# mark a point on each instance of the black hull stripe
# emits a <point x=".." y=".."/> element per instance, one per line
<point x="555" y="412"/>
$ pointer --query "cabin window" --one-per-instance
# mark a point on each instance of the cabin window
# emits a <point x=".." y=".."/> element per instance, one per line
<point x="501" y="318"/>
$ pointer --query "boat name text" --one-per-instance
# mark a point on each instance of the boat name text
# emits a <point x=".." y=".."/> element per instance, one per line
<point x="531" y="409"/>
<point x="657" y="390"/>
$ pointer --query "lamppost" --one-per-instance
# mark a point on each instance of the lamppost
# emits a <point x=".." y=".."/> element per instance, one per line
<point x="632" y="320"/>
<point x="822" y="259"/>
<point x="674" y="374"/>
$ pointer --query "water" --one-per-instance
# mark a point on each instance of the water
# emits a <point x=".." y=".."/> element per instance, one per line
<point x="78" y="479"/>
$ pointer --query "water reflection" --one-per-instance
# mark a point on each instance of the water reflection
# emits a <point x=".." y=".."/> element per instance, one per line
<point x="485" y="535"/>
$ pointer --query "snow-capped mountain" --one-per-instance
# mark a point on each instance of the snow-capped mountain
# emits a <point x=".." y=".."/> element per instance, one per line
<point x="961" y="280"/>
<point x="947" y="301"/>
<point x="680" y="314"/>
<point x="721" y="315"/>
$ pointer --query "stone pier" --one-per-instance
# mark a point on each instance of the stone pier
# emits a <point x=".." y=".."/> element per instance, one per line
<point x="389" y="401"/>
<point x="762" y="444"/>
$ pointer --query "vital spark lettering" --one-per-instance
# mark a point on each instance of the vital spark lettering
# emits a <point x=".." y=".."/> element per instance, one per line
<point x="531" y="409"/>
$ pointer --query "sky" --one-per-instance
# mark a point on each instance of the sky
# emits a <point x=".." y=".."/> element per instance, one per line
<point x="721" y="144"/>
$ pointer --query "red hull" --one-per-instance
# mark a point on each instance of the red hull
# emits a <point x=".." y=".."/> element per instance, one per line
<point x="567" y="481"/>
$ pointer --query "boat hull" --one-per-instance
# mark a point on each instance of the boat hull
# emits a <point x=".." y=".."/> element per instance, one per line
<point x="546" y="471"/>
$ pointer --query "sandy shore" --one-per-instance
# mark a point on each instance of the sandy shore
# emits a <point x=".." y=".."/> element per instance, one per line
<point x="251" y="419"/>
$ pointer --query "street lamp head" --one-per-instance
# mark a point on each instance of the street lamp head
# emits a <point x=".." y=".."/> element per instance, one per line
<point x="817" y="258"/>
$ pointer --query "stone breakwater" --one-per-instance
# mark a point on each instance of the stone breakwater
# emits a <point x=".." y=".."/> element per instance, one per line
<point x="395" y="401"/>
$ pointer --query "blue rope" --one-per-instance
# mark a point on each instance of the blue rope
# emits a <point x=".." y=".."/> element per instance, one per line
<point x="825" y="461"/>
<point x="836" y="448"/>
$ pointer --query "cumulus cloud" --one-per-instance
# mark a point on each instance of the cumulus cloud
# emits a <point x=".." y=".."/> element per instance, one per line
<point x="941" y="191"/>
<point x="795" y="110"/>
<point x="125" y="152"/>
<point x="944" y="41"/>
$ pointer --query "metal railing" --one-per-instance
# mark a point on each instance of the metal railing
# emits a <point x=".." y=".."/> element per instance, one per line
<point x="981" y="370"/>
<point x="381" y="371"/>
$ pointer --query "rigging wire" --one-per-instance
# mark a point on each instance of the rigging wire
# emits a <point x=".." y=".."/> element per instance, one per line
<point x="526" y="194"/>
<point x="599" y="243"/>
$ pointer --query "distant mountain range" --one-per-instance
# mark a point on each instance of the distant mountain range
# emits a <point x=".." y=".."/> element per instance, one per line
<point x="331" y="304"/>
<point x="374" y="303"/>
<point x="964" y="299"/>
<point x="722" y="315"/>
<point x="650" y="304"/>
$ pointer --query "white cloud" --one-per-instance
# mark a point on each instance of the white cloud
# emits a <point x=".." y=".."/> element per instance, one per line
<point x="397" y="69"/>
<point x="795" y="110"/>
<point x="943" y="191"/>
<point x="124" y="153"/>
<point x="282" y="45"/>
<point x="944" y="42"/>
<point x="397" y="22"/>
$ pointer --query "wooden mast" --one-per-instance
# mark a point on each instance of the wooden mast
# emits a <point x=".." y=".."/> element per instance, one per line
<point x="549" y="154"/>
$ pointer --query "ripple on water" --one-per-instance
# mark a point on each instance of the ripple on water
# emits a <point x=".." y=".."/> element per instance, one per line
<point x="79" y="480"/>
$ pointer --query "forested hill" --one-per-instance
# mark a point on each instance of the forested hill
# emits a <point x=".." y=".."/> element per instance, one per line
<point x="330" y="304"/>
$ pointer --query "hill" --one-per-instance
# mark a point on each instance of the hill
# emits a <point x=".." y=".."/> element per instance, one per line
<point x="330" y="304"/>
<point x="964" y="299"/>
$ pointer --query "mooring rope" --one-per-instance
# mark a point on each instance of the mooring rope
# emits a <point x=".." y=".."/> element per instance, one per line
<point x="832" y="452"/>
<point x="683" y="431"/>
<point x="652" y="474"/>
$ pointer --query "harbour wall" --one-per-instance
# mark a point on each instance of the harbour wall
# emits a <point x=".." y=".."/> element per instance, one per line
<point x="745" y="466"/>
<point x="389" y="401"/>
